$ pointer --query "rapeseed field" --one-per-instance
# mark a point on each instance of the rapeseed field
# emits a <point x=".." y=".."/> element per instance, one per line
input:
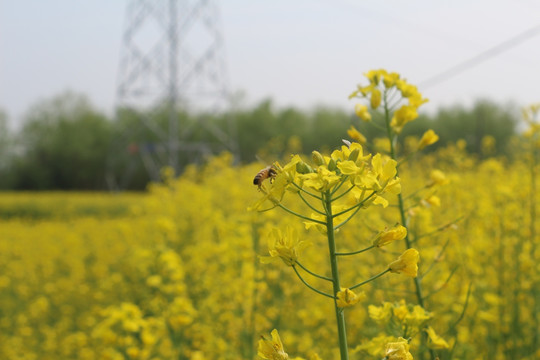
<point x="370" y="251"/>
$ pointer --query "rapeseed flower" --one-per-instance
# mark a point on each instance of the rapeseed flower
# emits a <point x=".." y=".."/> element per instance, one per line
<point x="381" y="314"/>
<point x="435" y="341"/>
<point x="398" y="350"/>
<point x="347" y="297"/>
<point x="427" y="139"/>
<point x="402" y="116"/>
<point x="321" y="180"/>
<point x="437" y="177"/>
<point x="286" y="246"/>
<point x="385" y="237"/>
<point x="407" y="263"/>
<point x="375" y="98"/>
<point x="356" y="135"/>
<point x="376" y="346"/>
<point x="362" y="112"/>
<point x="272" y="349"/>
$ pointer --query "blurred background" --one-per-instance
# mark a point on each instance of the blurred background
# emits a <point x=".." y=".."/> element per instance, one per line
<point x="100" y="95"/>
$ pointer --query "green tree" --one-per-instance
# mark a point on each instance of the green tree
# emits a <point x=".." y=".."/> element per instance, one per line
<point x="65" y="143"/>
<point x="6" y="153"/>
<point x="485" y="118"/>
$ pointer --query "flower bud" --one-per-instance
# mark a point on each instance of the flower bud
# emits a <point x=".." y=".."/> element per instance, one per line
<point x="437" y="178"/>
<point x="356" y="135"/>
<point x="362" y="112"/>
<point x="317" y="158"/>
<point x="303" y="168"/>
<point x="353" y="156"/>
<point x="428" y="138"/>
<point x="387" y="236"/>
<point x="375" y="98"/>
<point x="332" y="165"/>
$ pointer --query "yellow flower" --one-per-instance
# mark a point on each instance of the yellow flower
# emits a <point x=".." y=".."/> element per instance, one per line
<point x="322" y="180"/>
<point x="382" y="145"/>
<point x="402" y="116"/>
<point x="312" y="224"/>
<point x="417" y="317"/>
<point x="432" y="200"/>
<point x="381" y="314"/>
<point x="398" y="350"/>
<point x="428" y="138"/>
<point x="362" y="112"/>
<point x="272" y="349"/>
<point x="437" y="178"/>
<point x="348" y="167"/>
<point x="386" y="236"/>
<point x="374" y="76"/>
<point x="345" y="152"/>
<point x="435" y="341"/>
<point x="407" y="263"/>
<point x="347" y="297"/>
<point x="376" y="345"/>
<point x="375" y="98"/>
<point x="401" y="310"/>
<point x="417" y="100"/>
<point x="390" y="79"/>
<point x="356" y="135"/>
<point x="384" y="169"/>
<point x="286" y="246"/>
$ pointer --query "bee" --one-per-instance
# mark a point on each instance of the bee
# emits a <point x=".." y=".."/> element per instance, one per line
<point x="267" y="173"/>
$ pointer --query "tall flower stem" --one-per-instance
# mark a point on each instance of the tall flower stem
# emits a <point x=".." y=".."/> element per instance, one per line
<point x="340" y="316"/>
<point x="401" y="205"/>
<point x="532" y="210"/>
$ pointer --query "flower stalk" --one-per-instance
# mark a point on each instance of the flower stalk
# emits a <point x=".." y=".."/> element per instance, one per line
<point x="340" y="316"/>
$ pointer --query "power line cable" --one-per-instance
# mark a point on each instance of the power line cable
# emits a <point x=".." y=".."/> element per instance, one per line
<point x="483" y="56"/>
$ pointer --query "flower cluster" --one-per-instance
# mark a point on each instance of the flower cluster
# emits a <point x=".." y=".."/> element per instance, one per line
<point x="383" y="86"/>
<point x="369" y="177"/>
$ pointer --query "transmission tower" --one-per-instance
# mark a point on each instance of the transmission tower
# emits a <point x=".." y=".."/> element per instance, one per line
<point x="172" y="59"/>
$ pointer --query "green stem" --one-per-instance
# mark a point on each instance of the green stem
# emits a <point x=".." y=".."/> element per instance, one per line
<point x="355" y="206"/>
<point x="307" y="192"/>
<point x="340" y="316"/>
<point x="338" y="186"/>
<point x="370" y="279"/>
<point x="355" y="252"/>
<point x="344" y="193"/>
<point x="393" y="138"/>
<point x="300" y="215"/>
<point x="440" y="228"/>
<point x="435" y="259"/>
<point x="443" y="285"/>
<point x="312" y="273"/>
<point x="415" y="192"/>
<point x="309" y="205"/>
<point x="465" y="305"/>
<point x="401" y="204"/>
<point x="536" y="317"/>
<point x="347" y="220"/>
<point x="309" y="286"/>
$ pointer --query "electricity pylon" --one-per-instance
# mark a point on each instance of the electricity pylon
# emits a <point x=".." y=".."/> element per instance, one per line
<point x="172" y="59"/>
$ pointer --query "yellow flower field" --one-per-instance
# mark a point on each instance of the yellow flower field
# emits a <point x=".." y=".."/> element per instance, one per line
<point x="175" y="273"/>
<point x="440" y="262"/>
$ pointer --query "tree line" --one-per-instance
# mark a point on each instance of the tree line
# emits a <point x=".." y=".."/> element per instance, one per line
<point x="65" y="143"/>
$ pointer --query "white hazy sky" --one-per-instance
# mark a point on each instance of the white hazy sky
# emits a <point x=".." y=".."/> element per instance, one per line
<point x="298" y="53"/>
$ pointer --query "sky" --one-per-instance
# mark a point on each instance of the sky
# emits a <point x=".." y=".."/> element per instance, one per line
<point x="298" y="53"/>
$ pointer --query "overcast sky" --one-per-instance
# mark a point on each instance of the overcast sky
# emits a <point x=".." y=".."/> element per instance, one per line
<point x="299" y="53"/>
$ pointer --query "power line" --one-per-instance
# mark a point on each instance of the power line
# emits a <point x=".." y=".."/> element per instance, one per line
<point x="483" y="56"/>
